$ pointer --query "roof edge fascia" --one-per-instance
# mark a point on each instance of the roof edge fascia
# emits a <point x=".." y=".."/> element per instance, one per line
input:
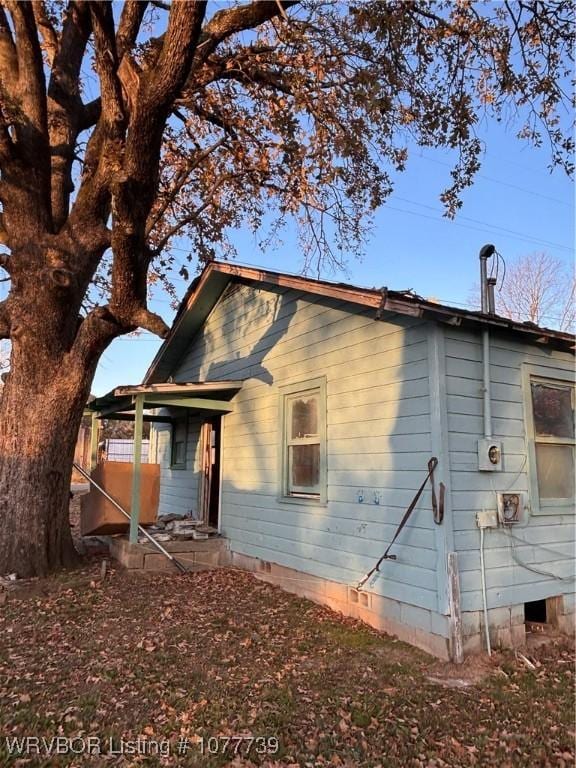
<point x="205" y="291"/>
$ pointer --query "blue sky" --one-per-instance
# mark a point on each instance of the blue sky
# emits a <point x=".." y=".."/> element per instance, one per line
<point x="515" y="203"/>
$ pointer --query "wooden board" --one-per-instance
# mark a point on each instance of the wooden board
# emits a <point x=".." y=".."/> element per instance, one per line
<point x="100" y="516"/>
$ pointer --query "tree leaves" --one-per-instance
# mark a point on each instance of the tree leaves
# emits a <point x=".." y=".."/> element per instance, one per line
<point x="305" y="119"/>
<point x="221" y="654"/>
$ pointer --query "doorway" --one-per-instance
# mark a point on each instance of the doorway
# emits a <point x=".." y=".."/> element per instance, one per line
<point x="210" y="486"/>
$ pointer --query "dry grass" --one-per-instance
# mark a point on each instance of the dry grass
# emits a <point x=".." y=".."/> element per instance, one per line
<point x="171" y="658"/>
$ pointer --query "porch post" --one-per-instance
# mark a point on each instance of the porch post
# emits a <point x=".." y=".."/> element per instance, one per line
<point x="94" y="425"/>
<point x="135" y="506"/>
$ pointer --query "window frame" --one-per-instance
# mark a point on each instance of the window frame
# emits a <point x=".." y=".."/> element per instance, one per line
<point x="289" y="393"/>
<point x="559" y="376"/>
<point x="180" y="422"/>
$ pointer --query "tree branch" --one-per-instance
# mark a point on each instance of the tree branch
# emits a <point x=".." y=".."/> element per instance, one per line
<point x="128" y="28"/>
<point x="8" y="56"/>
<point x="65" y="106"/>
<point x="89" y="114"/>
<point x="49" y="36"/>
<point x="215" y="119"/>
<point x="4" y="320"/>
<point x="224" y="24"/>
<point x="230" y="21"/>
<point x="193" y="215"/>
<point x="6" y="144"/>
<point x="94" y="334"/>
<point x="149" y="321"/>
<point x="176" y="56"/>
<point x="113" y="114"/>
<point x="180" y="180"/>
<point x="32" y="124"/>
<point x="129" y="25"/>
<point x="253" y="74"/>
<point x="3" y="241"/>
<point x="100" y="326"/>
<point x="133" y="192"/>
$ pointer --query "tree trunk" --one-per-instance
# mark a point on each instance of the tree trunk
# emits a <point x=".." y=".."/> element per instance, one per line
<point x="40" y="413"/>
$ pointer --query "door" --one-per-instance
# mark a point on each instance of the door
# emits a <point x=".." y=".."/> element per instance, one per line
<point x="210" y="492"/>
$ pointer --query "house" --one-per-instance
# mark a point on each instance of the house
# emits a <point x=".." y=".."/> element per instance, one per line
<point x="302" y="416"/>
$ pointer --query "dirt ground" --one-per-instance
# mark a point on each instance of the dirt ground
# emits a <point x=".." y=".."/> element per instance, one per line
<point x="218" y="668"/>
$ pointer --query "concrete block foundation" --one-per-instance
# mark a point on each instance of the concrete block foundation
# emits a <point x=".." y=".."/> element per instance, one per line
<point x="508" y="627"/>
<point x="382" y="613"/>
<point x="195" y="555"/>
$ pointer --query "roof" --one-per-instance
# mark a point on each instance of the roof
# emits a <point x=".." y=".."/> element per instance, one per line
<point x="206" y="289"/>
<point x="185" y="389"/>
<point x="200" y="395"/>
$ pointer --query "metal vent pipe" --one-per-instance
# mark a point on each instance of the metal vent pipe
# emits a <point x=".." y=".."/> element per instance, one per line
<point x="490" y="285"/>
<point x="485" y="253"/>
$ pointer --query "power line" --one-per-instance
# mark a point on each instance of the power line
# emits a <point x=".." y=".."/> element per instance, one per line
<point x="515" y="233"/>
<point x="516" y="164"/>
<point x="502" y="183"/>
<point x="488" y="228"/>
<point x="467" y="226"/>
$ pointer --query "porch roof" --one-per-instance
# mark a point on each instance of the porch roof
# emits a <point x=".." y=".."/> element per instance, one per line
<point x="205" y="396"/>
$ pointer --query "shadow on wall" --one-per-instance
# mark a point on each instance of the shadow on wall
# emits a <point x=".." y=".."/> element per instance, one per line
<point x="378" y="420"/>
<point x="280" y="310"/>
<point x="378" y="441"/>
<point x="268" y="319"/>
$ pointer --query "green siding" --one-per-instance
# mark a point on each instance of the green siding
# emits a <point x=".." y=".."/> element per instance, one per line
<point x="178" y="487"/>
<point x="378" y="435"/>
<point x="397" y="391"/>
<point x="550" y="540"/>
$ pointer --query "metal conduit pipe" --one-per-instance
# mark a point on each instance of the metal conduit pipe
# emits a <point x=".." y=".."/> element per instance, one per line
<point x="486" y="384"/>
<point x="487" y="300"/>
<point x="488" y="307"/>
<point x="484" y="598"/>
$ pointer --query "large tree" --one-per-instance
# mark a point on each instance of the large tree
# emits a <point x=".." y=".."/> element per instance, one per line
<point x="124" y="127"/>
<point x="4" y="362"/>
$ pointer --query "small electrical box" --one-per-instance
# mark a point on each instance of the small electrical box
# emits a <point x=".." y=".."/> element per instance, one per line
<point x="510" y="508"/>
<point x="488" y="518"/>
<point x="489" y="455"/>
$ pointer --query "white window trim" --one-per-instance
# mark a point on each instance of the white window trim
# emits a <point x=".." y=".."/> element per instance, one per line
<point x="286" y="392"/>
<point x="563" y="374"/>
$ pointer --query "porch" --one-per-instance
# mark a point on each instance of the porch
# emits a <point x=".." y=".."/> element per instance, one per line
<point x="125" y="495"/>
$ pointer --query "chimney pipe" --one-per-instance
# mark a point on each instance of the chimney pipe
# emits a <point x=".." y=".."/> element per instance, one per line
<point x="490" y="285"/>
<point x="485" y="253"/>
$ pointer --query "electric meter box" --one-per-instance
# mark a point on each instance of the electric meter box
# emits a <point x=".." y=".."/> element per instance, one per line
<point x="489" y="455"/>
<point x="510" y="508"/>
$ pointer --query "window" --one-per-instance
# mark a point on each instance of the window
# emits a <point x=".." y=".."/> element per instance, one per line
<point x="303" y="411"/>
<point x="179" y="440"/>
<point x="550" y="430"/>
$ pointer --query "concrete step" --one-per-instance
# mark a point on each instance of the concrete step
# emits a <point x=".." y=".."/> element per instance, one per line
<point x="196" y="555"/>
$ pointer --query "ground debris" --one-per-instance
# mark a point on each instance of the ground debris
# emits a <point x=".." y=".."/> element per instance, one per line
<point x="199" y="665"/>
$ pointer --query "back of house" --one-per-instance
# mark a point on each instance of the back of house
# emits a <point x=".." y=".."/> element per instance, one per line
<point x="344" y="403"/>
